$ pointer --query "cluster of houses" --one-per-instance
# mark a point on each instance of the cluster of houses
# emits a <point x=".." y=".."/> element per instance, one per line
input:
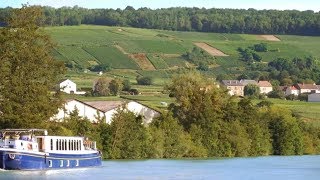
<point x="92" y="110"/>
<point x="236" y="87"/>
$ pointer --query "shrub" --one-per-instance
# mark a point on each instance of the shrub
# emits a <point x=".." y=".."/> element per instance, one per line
<point x="144" y="80"/>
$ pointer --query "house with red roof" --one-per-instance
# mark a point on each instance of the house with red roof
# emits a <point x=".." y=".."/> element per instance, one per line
<point x="292" y="90"/>
<point x="265" y="87"/>
<point x="307" y="88"/>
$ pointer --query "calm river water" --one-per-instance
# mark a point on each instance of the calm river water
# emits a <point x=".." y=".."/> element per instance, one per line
<point x="260" y="168"/>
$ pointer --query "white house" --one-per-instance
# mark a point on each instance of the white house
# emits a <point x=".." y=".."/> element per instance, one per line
<point x="265" y="87"/>
<point x="292" y="90"/>
<point x="308" y="88"/>
<point x="94" y="109"/>
<point x="69" y="87"/>
<point x="315" y="97"/>
<point x="147" y="113"/>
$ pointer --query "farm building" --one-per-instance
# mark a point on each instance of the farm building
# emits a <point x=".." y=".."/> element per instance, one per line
<point x="265" y="87"/>
<point x="69" y="87"/>
<point x="315" y="97"/>
<point x="235" y="87"/>
<point x="94" y="109"/>
<point x="307" y="88"/>
<point x="292" y="90"/>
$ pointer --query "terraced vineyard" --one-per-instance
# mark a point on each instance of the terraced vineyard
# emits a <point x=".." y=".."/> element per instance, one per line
<point x="157" y="61"/>
<point x="111" y="56"/>
<point x="117" y="46"/>
<point x="78" y="55"/>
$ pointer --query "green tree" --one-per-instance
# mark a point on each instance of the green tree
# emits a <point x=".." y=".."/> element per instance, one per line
<point x="175" y="142"/>
<point x="115" y="86"/>
<point x="28" y="72"/>
<point x="101" y="87"/>
<point x="78" y="125"/>
<point x="262" y="47"/>
<point x="144" y="80"/>
<point x="126" y="85"/>
<point x="129" y="136"/>
<point x="287" y="137"/>
<point x="251" y="90"/>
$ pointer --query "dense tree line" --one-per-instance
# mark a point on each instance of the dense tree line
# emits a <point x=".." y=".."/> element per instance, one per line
<point x="284" y="71"/>
<point x="189" y="19"/>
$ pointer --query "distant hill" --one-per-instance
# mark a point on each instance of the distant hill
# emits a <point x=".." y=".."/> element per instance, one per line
<point x="149" y="50"/>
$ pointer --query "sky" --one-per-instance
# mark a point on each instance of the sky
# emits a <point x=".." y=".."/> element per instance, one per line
<point x="154" y="4"/>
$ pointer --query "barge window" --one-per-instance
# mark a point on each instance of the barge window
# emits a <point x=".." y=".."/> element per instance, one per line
<point x="68" y="163"/>
<point x="57" y="145"/>
<point x="69" y="142"/>
<point x="65" y="145"/>
<point x="80" y="145"/>
<point x="77" y="162"/>
<point x="62" y="141"/>
<point x="51" y="144"/>
<point x="50" y="163"/>
<point x="61" y="163"/>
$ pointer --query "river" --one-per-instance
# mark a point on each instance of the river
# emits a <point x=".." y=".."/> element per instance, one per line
<point x="260" y="168"/>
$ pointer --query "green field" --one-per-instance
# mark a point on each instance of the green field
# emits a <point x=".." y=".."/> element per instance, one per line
<point x="153" y="46"/>
<point x="111" y="56"/>
<point x="157" y="61"/>
<point x="307" y="111"/>
<point x="77" y="54"/>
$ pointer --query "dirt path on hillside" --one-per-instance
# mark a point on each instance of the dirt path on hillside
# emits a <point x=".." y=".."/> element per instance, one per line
<point x="268" y="37"/>
<point x="121" y="49"/>
<point x="171" y="55"/>
<point x="211" y="50"/>
<point x="142" y="60"/>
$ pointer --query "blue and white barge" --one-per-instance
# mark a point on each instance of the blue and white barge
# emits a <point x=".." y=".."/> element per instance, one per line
<point x="33" y="149"/>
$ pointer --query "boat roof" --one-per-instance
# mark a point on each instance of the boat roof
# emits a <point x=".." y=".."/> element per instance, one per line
<point x="24" y="130"/>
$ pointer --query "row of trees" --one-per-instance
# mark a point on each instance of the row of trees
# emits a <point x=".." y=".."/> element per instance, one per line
<point x="188" y="19"/>
<point x="284" y="71"/>
<point x="104" y="87"/>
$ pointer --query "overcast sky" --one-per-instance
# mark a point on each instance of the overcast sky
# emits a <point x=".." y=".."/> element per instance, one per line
<point x="154" y="4"/>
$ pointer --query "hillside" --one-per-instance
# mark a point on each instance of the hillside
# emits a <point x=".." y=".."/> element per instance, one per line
<point x="153" y="51"/>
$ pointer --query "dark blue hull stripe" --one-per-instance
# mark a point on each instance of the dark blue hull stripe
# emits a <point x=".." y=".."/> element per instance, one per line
<point x="29" y="161"/>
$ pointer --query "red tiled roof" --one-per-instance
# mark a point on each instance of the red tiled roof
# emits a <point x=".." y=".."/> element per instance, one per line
<point x="105" y="105"/>
<point x="264" y="84"/>
<point x="293" y="88"/>
<point x="307" y="86"/>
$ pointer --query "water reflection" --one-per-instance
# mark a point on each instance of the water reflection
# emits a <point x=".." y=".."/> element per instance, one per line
<point x="262" y="168"/>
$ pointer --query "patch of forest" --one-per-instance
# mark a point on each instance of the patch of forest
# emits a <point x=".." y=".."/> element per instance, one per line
<point x="248" y="21"/>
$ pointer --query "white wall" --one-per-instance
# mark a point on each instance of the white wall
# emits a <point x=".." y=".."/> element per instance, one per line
<point x="91" y="113"/>
<point x="83" y="109"/>
<point x="147" y="113"/>
<point x="68" y="86"/>
<point x="292" y="91"/>
<point x="314" y="97"/>
<point x="265" y="90"/>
